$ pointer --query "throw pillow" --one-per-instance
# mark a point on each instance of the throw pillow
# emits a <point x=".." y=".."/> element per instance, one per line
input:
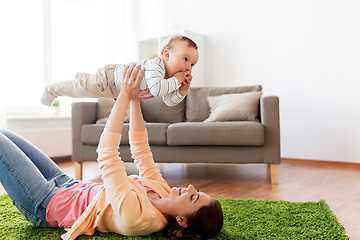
<point x="104" y="108"/>
<point x="234" y="107"/>
<point x="197" y="107"/>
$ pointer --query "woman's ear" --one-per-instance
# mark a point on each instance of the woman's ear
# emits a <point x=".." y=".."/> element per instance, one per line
<point x="182" y="221"/>
<point x="166" y="54"/>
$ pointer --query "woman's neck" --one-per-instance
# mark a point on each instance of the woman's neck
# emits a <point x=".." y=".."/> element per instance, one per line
<point x="161" y="204"/>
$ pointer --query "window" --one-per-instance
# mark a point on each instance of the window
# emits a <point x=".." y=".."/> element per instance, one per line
<point x="46" y="41"/>
<point x="21" y="47"/>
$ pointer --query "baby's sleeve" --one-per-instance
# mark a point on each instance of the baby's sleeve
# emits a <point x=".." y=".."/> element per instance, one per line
<point x="155" y="78"/>
<point x="173" y="98"/>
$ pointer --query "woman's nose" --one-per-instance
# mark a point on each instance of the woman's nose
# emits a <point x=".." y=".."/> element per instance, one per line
<point x="191" y="188"/>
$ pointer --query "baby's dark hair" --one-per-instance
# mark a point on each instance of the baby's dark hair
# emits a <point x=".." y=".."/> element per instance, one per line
<point x="169" y="45"/>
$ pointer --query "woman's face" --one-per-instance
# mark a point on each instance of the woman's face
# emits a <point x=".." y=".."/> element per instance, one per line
<point x="186" y="201"/>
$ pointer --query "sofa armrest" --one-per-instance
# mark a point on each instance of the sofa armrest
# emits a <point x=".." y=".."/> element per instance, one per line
<point x="269" y="115"/>
<point x="82" y="113"/>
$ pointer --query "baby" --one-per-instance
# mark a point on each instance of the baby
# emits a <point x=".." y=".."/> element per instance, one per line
<point x="168" y="76"/>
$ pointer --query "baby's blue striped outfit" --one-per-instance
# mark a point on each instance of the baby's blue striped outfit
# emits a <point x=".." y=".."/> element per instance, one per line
<point x="154" y="79"/>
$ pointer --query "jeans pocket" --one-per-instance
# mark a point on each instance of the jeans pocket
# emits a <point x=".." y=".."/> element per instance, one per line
<point x="34" y="220"/>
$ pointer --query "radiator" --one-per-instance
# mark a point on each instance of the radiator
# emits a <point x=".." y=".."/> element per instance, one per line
<point x="50" y="133"/>
<point x="54" y="142"/>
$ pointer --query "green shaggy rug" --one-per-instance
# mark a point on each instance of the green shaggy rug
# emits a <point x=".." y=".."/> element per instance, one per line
<point x="243" y="219"/>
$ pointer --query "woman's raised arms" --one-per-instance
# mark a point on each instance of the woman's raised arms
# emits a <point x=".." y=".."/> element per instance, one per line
<point x="129" y="90"/>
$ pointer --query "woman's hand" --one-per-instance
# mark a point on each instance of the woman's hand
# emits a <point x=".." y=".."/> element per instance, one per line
<point x="129" y="91"/>
<point x="130" y="82"/>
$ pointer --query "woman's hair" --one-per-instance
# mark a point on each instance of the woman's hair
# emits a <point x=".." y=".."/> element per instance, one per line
<point x="205" y="223"/>
<point x="169" y="45"/>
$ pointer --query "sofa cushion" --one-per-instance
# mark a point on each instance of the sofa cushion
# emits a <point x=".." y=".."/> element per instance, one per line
<point x="216" y="133"/>
<point x="155" y="110"/>
<point x="104" y="107"/>
<point x="197" y="107"/>
<point x="90" y="133"/>
<point x="234" y="107"/>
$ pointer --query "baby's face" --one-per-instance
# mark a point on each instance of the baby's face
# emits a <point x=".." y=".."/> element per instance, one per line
<point x="180" y="58"/>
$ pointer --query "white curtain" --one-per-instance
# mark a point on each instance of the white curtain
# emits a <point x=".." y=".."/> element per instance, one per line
<point x="123" y="30"/>
<point x="21" y="52"/>
<point x="3" y="120"/>
<point x="87" y="34"/>
<point x="46" y="41"/>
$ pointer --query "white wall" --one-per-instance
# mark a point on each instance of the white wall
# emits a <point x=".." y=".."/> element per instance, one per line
<point x="305" y="52"/>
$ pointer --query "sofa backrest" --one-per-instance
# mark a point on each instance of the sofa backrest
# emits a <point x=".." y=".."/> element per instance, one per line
<point x="155" y="110"/>
<point x="194" y="108"/>
<point x="197" y="107"/>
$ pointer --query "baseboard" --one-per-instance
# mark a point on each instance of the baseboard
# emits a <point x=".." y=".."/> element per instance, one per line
<point x="299" y="160"/>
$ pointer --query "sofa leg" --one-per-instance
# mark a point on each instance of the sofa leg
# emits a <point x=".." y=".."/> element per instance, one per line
<point x="78" y="170"/>
<point x="274" y="173"/>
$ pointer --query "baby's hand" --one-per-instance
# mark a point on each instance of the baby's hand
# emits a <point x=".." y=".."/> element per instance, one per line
<point x="180" y="77"/>
<point x="185" y="85"/>
<point x="188" y="79"/>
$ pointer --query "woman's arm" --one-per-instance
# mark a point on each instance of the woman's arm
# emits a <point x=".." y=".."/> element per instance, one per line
<point x="139" y="143"/>
<point x="129" y="89"/>
<point x="136" y="118"/>
<point x="118" y="189"/>
<point x="108" y="155"/>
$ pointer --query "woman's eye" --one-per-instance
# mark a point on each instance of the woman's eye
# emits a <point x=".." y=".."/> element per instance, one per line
<point x="191" y="197"/>
<point x="186" y="59"/>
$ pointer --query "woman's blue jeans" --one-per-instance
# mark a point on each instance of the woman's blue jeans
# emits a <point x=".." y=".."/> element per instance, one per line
<point x="29" y="177"/>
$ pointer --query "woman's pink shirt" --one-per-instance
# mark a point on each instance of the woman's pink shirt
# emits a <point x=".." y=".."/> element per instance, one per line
<point x="66" y="206"/>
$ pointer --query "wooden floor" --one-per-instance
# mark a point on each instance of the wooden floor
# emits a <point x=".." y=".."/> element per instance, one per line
<point x="300" y="180"/>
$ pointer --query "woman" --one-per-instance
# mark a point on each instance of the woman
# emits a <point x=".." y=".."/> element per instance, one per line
<point x="131" y="206"/>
